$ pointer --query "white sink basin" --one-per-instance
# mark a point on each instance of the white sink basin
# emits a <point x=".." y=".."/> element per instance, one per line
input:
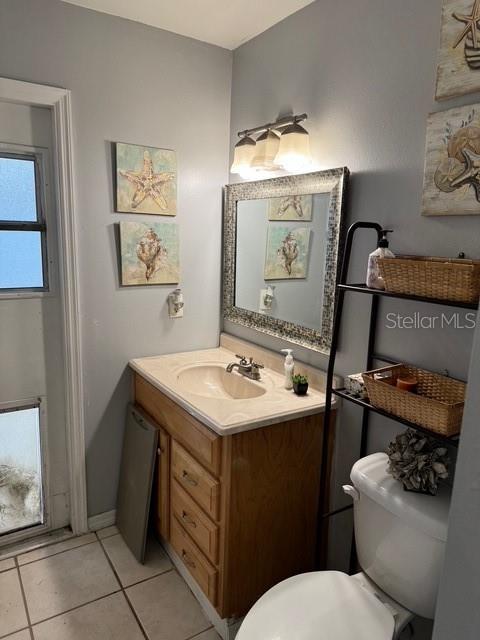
<point x="228" y="403"/>
<point x="213" y="381"/>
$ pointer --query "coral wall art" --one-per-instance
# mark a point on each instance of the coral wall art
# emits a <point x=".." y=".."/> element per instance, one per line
<point x="452" y="163"/>
<point x="146" y="180"/>
<point x="287" y="252"/>
<point x="459" y="55"/>
<point x="149" y="253"/>
<point x="290" y="208"/>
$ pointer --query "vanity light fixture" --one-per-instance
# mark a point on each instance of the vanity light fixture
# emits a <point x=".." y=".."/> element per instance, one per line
<point x="283" y="144"/>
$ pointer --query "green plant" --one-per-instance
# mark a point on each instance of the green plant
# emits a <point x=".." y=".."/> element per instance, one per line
<point x="299" y="379"/>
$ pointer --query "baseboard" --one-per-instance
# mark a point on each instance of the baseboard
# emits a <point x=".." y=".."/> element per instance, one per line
<point x="226" y="628"/>
<point x="102" y="520"/>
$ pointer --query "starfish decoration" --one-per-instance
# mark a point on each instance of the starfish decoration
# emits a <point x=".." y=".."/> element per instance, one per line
<point x="471" y="23"/>
<point x="471" y="173"/>
<point x="148" y="183"/>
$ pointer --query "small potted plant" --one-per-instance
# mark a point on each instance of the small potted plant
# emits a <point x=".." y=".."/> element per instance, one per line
<point x="300" y="384"/>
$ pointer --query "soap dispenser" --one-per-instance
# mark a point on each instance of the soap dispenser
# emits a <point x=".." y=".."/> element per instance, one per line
<point x="374" y="279"/>
<point x="288" y="368"/>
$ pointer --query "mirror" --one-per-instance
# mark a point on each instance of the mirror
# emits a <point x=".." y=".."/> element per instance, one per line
<point x="281" y="245"/>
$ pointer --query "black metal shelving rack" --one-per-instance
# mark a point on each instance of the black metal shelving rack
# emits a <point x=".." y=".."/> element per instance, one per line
<point x="342" y="289"/>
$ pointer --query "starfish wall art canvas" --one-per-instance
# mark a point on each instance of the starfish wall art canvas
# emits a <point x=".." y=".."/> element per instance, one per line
<point x="459" y="55"/>
<point x="290" y="208"/>
<point x="452" y="163"/>
<point x="149" y="253"/>
<point x="287" y="252"/>
<point x="146" y="180"/>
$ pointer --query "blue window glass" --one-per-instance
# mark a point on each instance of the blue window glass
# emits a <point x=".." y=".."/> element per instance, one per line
<point x="21" y="259"/>
<point x="18" y="200"/>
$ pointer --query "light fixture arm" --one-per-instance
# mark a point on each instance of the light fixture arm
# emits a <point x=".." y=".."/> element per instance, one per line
<point x="279" y="124"/>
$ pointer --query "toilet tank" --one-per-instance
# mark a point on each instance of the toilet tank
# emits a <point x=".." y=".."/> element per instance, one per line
<point x="400" y="536"/>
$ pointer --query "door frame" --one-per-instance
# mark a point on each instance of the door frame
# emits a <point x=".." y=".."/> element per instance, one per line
<point x="59" y="101"/>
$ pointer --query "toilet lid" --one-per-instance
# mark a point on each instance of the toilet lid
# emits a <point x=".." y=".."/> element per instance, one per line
<point x="324" y="605"/>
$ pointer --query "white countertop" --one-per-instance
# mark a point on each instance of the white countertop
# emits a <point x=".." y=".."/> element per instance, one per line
<point x="226" y="415"/>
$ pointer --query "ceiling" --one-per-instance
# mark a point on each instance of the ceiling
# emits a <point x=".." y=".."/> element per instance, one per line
<point x="226" y="23"/>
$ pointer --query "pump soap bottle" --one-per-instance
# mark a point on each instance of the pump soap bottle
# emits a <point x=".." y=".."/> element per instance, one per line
<point x="374" y="279"/>
<point x="289" y="366"/>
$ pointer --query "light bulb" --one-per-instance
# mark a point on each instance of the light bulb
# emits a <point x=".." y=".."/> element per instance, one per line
<point x="294" y="149"/>
<point x="267" y="148"/>
<point x="243" y="155"/>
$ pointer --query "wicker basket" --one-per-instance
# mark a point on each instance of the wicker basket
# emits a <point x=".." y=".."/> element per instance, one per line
<point x="442" y="278"/>
<point x="437" y="405"/>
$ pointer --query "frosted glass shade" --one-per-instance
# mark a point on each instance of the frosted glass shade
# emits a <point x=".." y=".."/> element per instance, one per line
<point x="294" y="149"/>
<point x="266" y="149"/>
<point x="243" y="156"/>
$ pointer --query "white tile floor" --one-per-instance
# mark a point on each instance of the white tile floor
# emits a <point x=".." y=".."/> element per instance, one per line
<point x="92" y="587"/>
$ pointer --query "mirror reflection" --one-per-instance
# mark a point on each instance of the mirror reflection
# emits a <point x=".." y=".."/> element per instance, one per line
<point x="280" y="257"/>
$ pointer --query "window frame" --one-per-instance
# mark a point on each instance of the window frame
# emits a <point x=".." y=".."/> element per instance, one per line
<point x="37" y="156"/>
<point x="16" y="535"/>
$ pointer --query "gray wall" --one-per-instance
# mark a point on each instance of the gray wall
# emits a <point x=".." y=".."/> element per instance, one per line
<point x="364" y="71"/>
<point x="137" y="84"/>
<point x="458" y="615"/>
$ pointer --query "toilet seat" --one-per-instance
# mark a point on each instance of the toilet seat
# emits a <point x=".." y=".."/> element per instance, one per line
<point x="323" y="605"/>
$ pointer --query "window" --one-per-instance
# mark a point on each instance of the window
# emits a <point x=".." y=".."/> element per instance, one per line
<point x="21" y="494"/>
<point x="23" y="249"/>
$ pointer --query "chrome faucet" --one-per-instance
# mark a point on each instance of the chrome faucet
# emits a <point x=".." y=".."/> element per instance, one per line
<point x="247" y="368"/>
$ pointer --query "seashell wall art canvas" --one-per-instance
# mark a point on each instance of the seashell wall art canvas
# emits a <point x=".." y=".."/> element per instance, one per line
<point x="287" y="253"/>
<point x="146" y="180"/>
<point x="297" y="207"/>
<point x="149" y="253"/>
<point x="458" y="70"/>
<point x="451" y="183"/>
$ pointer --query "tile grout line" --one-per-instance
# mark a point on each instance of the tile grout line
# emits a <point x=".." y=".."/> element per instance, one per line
<point x="134" y="584"/>
<point x="200" y="633"/>
<point x="22" y="589"/>
<point x="58" y="553"/>
<point x="134" y="613"/>
<point x="121" y="589"/>
<point x="9" y="635"/>
<point x="85" y="604"/>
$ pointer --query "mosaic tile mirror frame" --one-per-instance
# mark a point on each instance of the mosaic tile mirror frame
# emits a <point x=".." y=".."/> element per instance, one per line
<point x="303" y="284"/>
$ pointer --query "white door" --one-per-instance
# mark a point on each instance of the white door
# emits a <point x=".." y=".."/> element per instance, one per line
<point x="33" y="466"/>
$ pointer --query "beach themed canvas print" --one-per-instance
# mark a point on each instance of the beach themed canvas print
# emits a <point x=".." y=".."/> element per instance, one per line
<point x="290" y="208"/>
<point x="287" y="253"/>
<point x="146" y="180"/>
<point x="459" y="55"/>
<point x="452" y="163"/>
<point x="149" y="253"/>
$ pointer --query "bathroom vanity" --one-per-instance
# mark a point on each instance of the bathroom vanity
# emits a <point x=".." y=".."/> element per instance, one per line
<point x="238" y="473"/>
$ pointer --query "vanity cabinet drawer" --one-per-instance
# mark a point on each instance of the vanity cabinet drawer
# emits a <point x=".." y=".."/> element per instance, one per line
<point x="203" y="531"/>
<point x="195" y="480"/>
<point x="204" y="573"/>
<point x="198" y="439"/>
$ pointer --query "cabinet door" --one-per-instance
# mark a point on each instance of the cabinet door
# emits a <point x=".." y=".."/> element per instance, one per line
<point x="163" y="484"/>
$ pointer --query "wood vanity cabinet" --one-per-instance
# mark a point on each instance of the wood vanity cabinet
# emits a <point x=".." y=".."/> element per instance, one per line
<point x="240" y="511"/>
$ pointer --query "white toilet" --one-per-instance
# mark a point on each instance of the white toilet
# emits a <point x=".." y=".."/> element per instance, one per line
<point x="400" y="540"/>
